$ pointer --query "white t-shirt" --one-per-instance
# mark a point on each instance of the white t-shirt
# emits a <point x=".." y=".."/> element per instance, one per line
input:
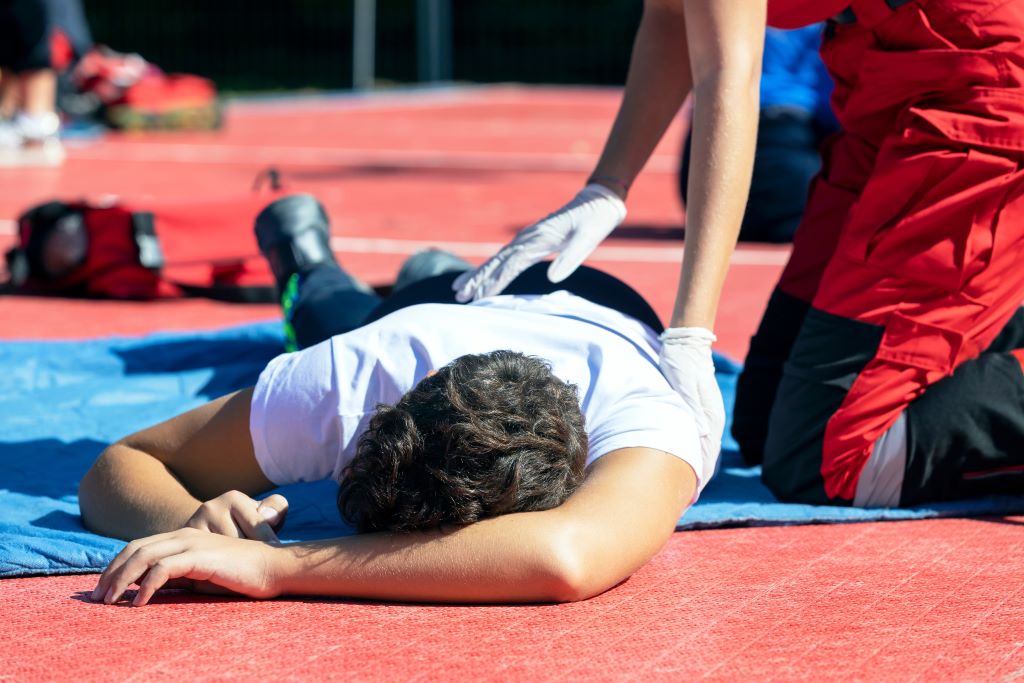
<point x="309" y="408"/>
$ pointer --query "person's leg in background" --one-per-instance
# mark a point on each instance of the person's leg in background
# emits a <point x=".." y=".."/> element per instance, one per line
<point x="904" y="383"/>
<point x="31" y="137"/>
<point x="320" y="299"/>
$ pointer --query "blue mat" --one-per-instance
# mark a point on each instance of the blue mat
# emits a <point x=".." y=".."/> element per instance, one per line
<point x="61" y="403"/>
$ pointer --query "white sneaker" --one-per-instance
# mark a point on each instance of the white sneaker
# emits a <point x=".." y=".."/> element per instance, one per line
<point x="31" y="141"/>
<point x="10" y="143"/>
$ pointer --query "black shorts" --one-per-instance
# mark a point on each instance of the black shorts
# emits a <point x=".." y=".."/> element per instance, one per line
<point x="588" y="283"/>
<point x="27" y="28"/>
<point x="24" y="35"/>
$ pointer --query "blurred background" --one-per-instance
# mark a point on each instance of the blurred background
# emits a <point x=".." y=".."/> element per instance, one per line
<point x="195" y="103"/>
<point x="259" y="46"/>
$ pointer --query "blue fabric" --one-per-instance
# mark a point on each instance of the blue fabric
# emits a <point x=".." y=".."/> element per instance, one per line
<point x="793" y="75"/>
<point x="61" y="403"/>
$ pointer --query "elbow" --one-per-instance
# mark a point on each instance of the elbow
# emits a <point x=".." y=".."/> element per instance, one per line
<point x="568" y="576"/>
<point x="86" y="500"/>
<point x="90" y="490"/>
<point x="100" y="488"/>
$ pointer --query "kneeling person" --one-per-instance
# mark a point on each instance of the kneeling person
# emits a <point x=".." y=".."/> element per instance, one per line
<point x="524" y="447"/>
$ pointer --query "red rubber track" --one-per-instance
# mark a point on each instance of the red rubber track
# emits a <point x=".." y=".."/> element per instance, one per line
<point x="903" y="601"/>
<point x="914" y="601"/>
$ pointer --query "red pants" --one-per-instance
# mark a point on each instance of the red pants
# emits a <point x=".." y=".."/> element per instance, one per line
<point x="910" y="252"/>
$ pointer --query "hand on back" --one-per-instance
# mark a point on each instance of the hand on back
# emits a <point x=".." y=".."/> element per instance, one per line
<point x="572" y="232"/>
<point x="687" y="364"/>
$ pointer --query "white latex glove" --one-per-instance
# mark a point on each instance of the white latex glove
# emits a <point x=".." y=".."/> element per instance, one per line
<point x="686" y="363"/>
<point x="572" y="232"/>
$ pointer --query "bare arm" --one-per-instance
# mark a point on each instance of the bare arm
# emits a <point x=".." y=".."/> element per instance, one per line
<point x="726" y="39"/>
<point x="713" y="47"/>
<point x="658" y="81"/>
<point x="592" y="542"/>
<point x="154" y="480"/>
<point x="600" y="536"/>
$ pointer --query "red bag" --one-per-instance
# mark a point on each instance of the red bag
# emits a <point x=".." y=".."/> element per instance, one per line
<point x="114" y="250"/>
<point x="138" y="95"/>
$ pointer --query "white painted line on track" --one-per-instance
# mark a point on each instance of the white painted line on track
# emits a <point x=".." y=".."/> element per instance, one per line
<point x="413" y="98"/>
<point x="157" y="152"/>
<point x="376" y="245"/>
<point x="373" y="245"/>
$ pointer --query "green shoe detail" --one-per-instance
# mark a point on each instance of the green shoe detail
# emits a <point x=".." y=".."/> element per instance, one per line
<point x="289" y="296"/>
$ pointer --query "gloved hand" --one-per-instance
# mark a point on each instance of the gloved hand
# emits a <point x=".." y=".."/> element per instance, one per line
<point x="687" y="364"/>
<point x="572" y="232"/>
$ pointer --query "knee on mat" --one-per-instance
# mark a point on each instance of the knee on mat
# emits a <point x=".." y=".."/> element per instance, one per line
<point x="792" y="471"/>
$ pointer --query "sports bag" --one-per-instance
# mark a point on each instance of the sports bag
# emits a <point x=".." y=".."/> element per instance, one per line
<point x="131" y="93"/>
<point x="118" y="250"/>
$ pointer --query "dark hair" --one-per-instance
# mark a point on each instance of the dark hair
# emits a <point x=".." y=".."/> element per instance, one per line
<point x="486" y="435"/>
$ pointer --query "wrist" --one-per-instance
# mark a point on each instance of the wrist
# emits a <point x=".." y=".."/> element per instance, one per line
<point x="614" y="183"/>
<point x="694" y="332"/>
<point x="283" y="567"/>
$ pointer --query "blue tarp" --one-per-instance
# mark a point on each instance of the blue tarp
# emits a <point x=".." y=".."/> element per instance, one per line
<point x="61" y="403"/>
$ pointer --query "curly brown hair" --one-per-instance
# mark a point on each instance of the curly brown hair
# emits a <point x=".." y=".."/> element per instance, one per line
<point x="486" y="435"/>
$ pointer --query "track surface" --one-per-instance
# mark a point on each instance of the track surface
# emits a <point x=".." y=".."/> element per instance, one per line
<point x="918" y="601"/>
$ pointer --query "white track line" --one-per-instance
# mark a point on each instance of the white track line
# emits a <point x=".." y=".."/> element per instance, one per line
<point x="157" y="152"/>
<point x="414" y="98"/>
<point x="404" y="99"/>
<point x="374" y="245"/>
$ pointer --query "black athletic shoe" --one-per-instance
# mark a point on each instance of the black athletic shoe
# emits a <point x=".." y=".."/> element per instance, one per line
<point x="294" y="235"/>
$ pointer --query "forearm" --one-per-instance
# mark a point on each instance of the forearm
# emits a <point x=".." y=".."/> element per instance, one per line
<point x="129" y="494"/>
<point x="514" y="558"/>
<point x="585" y="546"/>
<point x="725" y="129"/>
<point x="589" y="544"/>
<point x="657" y="83"/>
<point x="726" y="76"/>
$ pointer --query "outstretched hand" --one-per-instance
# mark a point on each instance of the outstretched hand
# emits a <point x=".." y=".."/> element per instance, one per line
<point x="572" y="232"/>
<point x="188" y="558"/>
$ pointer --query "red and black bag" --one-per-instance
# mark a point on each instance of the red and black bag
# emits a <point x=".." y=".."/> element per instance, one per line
<point x="134" y="94"/>
<point x="116" y="250"/>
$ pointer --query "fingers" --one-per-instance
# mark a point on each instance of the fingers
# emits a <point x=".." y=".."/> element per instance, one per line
<point x="132" y="563"/>
<point x="459" y="286"/>
<point x="237" y="515"/>
<point x="505" y="273"/>
<point x="470" y="285"/>
<point x="274" y="510"/>
<point x="531" y="245"/>
<point x="104" y="582"/>
<point x="569" y="260"/>
<point x="160" y="573"/>
<point x="222" y="523"/>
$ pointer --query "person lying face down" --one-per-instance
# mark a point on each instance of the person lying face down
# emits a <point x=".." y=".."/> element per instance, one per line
<point x="521" y="448"/>
<point x="487" y="435"/>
